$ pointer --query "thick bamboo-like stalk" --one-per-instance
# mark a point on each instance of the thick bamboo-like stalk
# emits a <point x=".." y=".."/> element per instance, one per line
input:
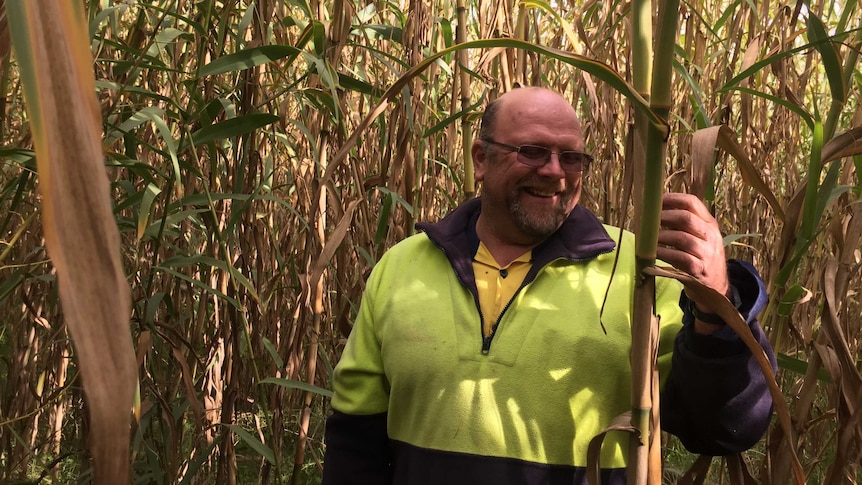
<point x="641" y="66"/>
<point x="466" y="130"/>
<point x="314" y="289"/>
<point x="644" y="464"/>
<point x="521" y="30"/>
<point x="316" y="300"/>
<point x="56" y="68"/>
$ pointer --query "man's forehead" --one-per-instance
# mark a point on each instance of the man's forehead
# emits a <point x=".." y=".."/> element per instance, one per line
<point x="537" y="102"/>
<point x="532" y="94"/>
<point x="541" y="116"/>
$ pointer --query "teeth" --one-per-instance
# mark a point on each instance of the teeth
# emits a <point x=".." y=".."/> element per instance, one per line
<point x="541" y="193"/>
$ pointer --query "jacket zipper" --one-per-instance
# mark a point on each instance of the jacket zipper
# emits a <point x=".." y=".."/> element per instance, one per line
<point x="486" y="341"/>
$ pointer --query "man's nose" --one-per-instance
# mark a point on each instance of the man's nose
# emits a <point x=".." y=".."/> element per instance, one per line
<point x="552" y="167"/>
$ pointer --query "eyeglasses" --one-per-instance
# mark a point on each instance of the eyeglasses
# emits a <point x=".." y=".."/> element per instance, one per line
<point x="536" y="156"/>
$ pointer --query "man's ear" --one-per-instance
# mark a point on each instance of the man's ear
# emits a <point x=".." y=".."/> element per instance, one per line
<point x="479" y="160"/>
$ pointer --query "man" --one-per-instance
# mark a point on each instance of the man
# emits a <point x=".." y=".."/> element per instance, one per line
<point x="480" y="353"/>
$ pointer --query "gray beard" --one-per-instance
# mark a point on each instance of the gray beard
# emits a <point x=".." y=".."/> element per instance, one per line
<point x="540" y="225"/>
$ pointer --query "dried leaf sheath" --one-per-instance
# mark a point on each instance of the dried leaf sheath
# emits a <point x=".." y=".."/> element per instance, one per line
<point x="50" y="43"/>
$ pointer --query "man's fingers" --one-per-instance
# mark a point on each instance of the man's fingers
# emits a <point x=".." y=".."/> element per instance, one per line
<point x="687" y="202"/>
<point x="689" y="240"/>
<point x="682" y="220"/>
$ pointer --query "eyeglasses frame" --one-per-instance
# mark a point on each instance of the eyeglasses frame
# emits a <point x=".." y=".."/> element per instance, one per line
<point x="588" y="159"/>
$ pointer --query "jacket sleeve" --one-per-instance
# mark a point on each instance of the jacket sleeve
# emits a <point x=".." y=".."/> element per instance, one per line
<point x="357" y="443"/>
<point x="716" y="399"/>
<point x="357" y="450"/>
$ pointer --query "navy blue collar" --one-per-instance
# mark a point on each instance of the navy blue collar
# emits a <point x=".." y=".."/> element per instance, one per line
<point x="581" y="237"/>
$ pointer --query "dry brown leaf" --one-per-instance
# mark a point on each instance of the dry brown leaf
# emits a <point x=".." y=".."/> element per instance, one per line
<point x="332" y="244"/>
<point x="623" y="423"/>
<point x="724" y="308"/>
<point x="846" y="144"/>
<point x="703" y="146"/>
<point x="79" y="227"/>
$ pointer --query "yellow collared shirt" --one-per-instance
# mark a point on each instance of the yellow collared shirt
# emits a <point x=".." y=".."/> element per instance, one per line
<point x="497" y="285"/>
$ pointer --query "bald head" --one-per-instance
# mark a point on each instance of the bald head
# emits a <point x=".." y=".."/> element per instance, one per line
<point x="524" y="202"/>
<point x="548" y="103"/>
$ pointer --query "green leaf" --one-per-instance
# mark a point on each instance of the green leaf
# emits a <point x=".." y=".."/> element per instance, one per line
<point x="841" y="189"/>
<point x="132" y="122"/>
<point x="248" y="58"/>
<point x="321" y="100"/>
<point x="200" y="458"/>
<point x="732" y="238"/>
<point x="232" y="128"/>
<point x="811" y="207"/>
<point x="358" y="85"/>
<point x="21" y="156"/>
<point x="794" y="295"/>
<point x="384" y="32"/>
<point x="181" y="261"/>
<point x="167" y="137"/>
<point x="303" y="5"/>
<point x="327" y="364"/>
<point x="696" y="95"/>
<point x="163" y="39"/>
<point x="397" y="198"/>
<point x="304" y="386"/>
<point x="247" y="17"/>
<point x="821" y="41"/>
<point x="800" y="367"/>
<point x="757" y="66"/>
<point x="447" y="32"/>
<point x="153" y="304"/>
<point x="800" y="110"/>
<point x="9" y="284"/>
<point x="319" y="35"/>
<point x="113" y="86"/>
<point x="103" y="16"/>
<point x="172" y="220"/>
<point x="449" y="119"/>
<point x="273" y="352"/>
<point x="554" y="12"/>
<point x="140" y="169"/>
<point x="254" y="443"/>
<point x="366" y="256"/>
<point x="209" y="289"/>
<point x="149" y="196"/>
<point x="383" y="219"/>
<point x="827" y="191"/>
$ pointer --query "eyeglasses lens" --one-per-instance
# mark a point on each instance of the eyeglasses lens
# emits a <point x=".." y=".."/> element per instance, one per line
<point x="536" y="156"/>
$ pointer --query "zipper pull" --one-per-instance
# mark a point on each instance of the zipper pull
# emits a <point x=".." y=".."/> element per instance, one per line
<point x="486" y="345"/>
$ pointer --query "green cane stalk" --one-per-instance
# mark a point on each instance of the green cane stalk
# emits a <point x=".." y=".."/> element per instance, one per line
<point x="466" y="131"/>
<point x="644" y="465"/>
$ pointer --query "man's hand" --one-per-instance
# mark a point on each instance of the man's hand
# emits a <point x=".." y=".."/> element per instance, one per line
<point x="690" y="240"/>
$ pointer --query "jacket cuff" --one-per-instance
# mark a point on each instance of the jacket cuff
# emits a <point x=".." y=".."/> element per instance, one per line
<point x="357" y="450"/>
<point x="748" y="296"/>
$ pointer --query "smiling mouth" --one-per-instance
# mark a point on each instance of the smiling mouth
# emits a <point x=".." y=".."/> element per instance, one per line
<point x="536" y="192"/>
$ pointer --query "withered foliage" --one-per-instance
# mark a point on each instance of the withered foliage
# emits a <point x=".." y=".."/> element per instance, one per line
<point x="260" y="163"/>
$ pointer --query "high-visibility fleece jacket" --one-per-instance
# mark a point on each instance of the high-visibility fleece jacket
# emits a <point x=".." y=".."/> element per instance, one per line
<point x="422" y="397"/>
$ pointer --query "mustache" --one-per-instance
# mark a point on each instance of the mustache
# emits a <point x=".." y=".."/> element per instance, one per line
<point x="544" y="186"/>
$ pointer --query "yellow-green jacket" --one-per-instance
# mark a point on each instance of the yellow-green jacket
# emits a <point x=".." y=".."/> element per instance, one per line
<point x="422" y="397"/>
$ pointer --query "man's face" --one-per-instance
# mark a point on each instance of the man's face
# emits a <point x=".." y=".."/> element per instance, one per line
<point x="529" y="203"/>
